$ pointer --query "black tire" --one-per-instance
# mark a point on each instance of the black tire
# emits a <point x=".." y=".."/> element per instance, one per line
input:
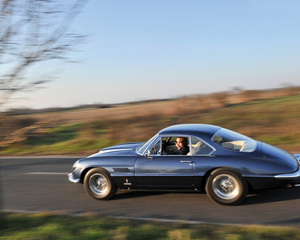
<point x="226" y="186"/>
<point x="99" y="185"/>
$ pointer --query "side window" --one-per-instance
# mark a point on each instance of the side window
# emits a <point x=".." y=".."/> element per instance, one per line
<point x="233" y="141"/>
<point x="168" y="144"/>
<point x="200" y="148"/>
<point x="156" y="150"/>
<point x="175" y="145"/>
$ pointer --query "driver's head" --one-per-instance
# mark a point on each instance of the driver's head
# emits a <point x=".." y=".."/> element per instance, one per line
<point x="180" y="141"/>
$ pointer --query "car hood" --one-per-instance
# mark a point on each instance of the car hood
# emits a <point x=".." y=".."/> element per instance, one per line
<point x="119" y="149"/>
<point x="280" y="155"/>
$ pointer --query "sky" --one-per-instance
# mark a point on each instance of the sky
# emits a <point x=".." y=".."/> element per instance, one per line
<point x="155" y="49"/>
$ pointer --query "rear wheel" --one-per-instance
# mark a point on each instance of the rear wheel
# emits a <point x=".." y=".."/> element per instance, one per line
<point x="99" y="185"/>
<point x="226" y="187"/>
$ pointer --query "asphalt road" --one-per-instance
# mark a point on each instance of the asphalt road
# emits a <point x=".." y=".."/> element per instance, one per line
<point x="41" y="184"/>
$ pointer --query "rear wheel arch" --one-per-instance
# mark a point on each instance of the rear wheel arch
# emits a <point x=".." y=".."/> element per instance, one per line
<point x="207" y="174"/>
<point x="205" y="177"/>
<point x="227" y="168"/>
<point x="226" y="186"/>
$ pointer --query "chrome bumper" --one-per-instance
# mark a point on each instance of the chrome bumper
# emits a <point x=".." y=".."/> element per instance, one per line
<point x="72" y="179"/>
<point x="294" y="175"/>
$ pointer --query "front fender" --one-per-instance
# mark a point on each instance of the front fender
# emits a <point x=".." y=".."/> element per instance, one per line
<point x="118" y="167"/>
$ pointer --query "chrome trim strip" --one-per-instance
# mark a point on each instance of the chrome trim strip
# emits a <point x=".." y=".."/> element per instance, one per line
<point x="152" y="144"/>
<point x="107" y="151"/>
<point x="143" y="154"/>
<point x="114" y="150"/>
<point x="289" y="175"/>
<point x="164" y="175"/>
<point x="72" y="179"/>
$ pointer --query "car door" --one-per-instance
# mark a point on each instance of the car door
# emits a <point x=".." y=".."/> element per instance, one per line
<point x="203" y="159"/>
<point x="156" y="170"/>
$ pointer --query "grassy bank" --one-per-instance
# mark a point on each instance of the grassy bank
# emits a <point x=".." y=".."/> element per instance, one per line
<point x="275" y="121"/>
<point x="47" y="226"/>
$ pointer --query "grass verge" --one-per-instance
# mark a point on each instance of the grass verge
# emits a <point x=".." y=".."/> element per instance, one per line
<point x="49" y="226"/>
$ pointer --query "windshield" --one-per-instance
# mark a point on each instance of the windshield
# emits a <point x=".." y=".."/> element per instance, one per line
<point x="234" y="141"/>
<point x="142" y="149"/>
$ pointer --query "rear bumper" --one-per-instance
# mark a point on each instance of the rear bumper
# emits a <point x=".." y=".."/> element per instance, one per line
<point x="287" y="176"/>
<point x="292" y="176"/>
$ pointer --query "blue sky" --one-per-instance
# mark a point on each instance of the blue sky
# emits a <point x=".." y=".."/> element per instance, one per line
<point x="148" y="49"/>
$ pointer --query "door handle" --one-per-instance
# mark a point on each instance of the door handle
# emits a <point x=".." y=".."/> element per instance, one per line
<point x="186" y="161"/>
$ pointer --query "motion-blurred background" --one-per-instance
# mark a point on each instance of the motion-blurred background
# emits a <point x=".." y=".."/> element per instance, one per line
<point x="81" y="75"/>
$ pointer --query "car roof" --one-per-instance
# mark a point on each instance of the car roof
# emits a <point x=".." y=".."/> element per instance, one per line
<point x="201" y="130"/>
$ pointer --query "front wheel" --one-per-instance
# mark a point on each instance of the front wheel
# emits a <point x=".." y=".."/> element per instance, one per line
<point x="226" y="187"/>
<point x="99" y="185"/>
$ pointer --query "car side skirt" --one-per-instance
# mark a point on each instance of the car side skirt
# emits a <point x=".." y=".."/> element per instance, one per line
<point x="159" y="183"/>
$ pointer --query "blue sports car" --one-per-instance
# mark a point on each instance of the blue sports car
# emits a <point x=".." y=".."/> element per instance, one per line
<point x="197" y="157"/>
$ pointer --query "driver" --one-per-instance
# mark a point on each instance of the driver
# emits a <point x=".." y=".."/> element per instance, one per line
<point x="181" y="144"/>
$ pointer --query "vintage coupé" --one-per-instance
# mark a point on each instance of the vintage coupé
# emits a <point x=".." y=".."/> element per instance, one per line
<point x="221" y="162"/>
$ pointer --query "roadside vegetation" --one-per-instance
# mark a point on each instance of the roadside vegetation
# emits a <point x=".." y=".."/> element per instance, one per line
<point x="49" y="226"/>
<point x="272" y="118"/>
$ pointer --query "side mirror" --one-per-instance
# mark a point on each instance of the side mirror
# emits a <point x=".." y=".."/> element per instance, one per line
<point x="148" y="155"/>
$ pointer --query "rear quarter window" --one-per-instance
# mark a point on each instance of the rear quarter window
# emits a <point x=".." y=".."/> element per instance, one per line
<point x="234" y="141"/>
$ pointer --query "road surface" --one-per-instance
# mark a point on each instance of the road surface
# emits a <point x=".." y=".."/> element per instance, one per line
<point x="41" y="184"/>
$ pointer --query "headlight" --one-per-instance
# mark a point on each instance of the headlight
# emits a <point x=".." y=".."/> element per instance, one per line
<point x="76" y="166"/>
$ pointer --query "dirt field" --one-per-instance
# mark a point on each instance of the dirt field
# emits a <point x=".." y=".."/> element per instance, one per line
<point x="274" y="120"/>
<point x="118" y="112"/>
<point x="162" y="108"/>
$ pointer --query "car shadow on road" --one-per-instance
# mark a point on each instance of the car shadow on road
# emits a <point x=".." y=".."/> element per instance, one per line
<point x="272" y="195"/>
<point x="127" y="194"/>
<point x="254" y="197"/>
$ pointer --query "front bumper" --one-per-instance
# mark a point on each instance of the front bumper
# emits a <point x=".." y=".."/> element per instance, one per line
<point x="72" y="179"/>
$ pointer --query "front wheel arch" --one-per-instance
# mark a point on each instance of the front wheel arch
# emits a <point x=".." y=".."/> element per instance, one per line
<point x="99" y="185"/>
<point x="86" y="170"/>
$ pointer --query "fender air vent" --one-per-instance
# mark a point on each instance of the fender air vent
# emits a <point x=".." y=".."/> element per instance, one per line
<point x="121" y="170"/>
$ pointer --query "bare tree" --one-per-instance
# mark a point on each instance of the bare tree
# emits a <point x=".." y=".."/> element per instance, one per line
<point x="33" y="32"/>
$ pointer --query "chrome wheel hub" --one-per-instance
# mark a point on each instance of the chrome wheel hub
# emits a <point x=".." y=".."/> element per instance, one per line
<point x="98" y="184"/>
<point x="226" y="186"/>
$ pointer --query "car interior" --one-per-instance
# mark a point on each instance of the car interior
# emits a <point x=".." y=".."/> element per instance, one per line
<point x="169" y="147"/>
